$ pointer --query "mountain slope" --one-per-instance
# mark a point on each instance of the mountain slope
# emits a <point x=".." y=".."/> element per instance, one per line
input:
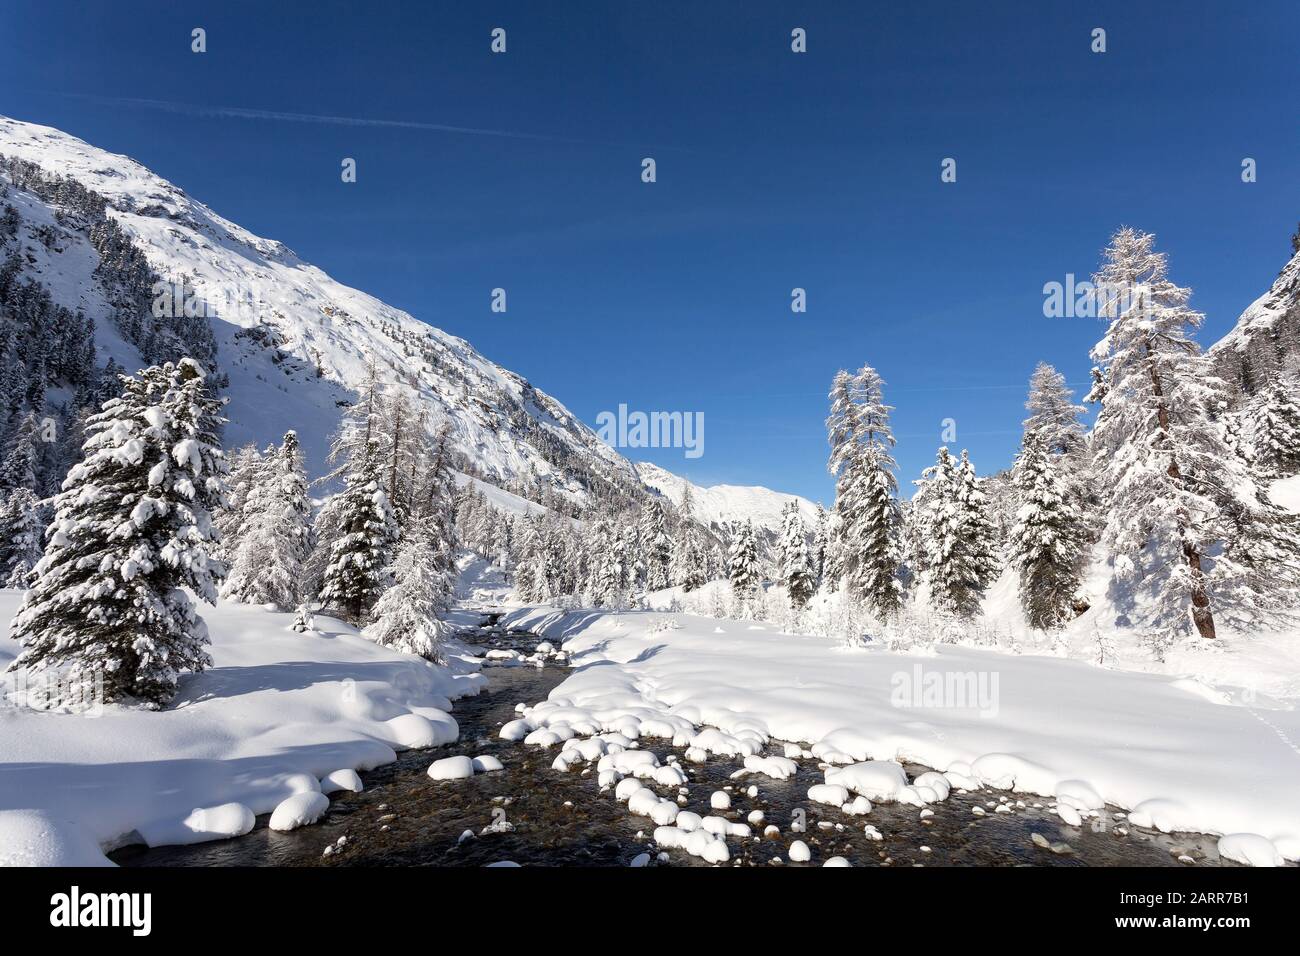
<point x="292" y="340"/>
<point x="1266" y="338"/>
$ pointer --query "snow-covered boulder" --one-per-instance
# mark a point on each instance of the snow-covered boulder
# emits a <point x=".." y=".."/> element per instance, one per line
<point x="881" y="780"/>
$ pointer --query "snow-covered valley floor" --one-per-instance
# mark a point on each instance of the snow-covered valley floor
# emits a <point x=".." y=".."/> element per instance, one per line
<point x="278" y="714"/>
<point x="283" y="715"/>
<point x="1175" y="753"/>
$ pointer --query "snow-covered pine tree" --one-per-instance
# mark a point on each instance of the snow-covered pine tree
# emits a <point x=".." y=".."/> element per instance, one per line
<point x="633" y="554"/>
<point x="1275" y="429"/>
<point x="960" y="564"/>
<point x="688" y="568"/>
<point x="357" y="573"/>
<point x="276" y="536"/>
<point x="20" y="537"/>
<point x="530" y="571"/>
<point x="742" y="566"/>
<point x="607" y="586"/>
<point x="405" y="617"/>
<point x="438" y="501"/>
<point x="533" y="571"/>
<point x="132" y="530"/>
<point x="866" y="489"/>
<point x="817" y="555"/>
<point x="245" y="473"/>
<point x="1160" y="458"/>
<point x="656" y="544"/>
<point x="1049" y="539"/>
<point x="1054" y="418"/>
<point x="795" y="562"/>
<point x="21" y="465"/>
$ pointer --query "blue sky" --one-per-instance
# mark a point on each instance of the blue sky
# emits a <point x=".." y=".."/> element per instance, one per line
<point x="775" y="170"/>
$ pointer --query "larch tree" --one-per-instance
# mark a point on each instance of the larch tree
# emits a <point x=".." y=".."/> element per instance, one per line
<point x="245" y="472"/>
<point x="1160" y="459"/>
<point x="1053" y="415"/>
<point x="275" y="536"/>
<point x="108" y="610"/>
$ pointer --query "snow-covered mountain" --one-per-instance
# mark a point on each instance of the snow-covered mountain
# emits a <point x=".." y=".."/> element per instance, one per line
<point x="293" y="342"/>
<point x="1266" y="339"/>
<point x="724" y="505"/>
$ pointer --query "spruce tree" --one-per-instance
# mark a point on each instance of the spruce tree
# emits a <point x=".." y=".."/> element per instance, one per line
<point x="820" y="542"/>
<point x="656" y="546"/>
<point x="960" y="564"/>
<point x="132" y="530"/>
<point x="742" y="567"/>
<point x="21" y="463"/>
<point x="357" y="573"/>
<point x="688" y="564"/>
<point x="1275" y="430"/>
<point x="1049" y="538"/>
<point x="868" y="547"/>
<point x="795" y="562"/>
<point x="20" y="538"/>
<point x="406" y="616"/>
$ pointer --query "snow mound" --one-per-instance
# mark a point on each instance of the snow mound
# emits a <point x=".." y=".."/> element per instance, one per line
<point x="1249" y="848"/>
<point x="300" y="810"/>
<point x="203" y="824"/>
<point x="339" y="780"/>
<point x="33" y="838"/>
<point x="451" y="768"/>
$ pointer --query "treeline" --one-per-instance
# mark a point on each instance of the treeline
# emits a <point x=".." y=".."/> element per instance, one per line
<point x="605" y="560"/>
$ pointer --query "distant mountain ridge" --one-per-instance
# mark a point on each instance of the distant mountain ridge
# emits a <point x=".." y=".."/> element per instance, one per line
<point x="721" y="506"/>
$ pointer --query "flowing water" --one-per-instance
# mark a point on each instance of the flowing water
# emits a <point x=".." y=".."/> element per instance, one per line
<point x="533" y="815"/>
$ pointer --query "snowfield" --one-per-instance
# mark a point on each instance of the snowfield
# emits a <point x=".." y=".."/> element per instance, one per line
<point x="279" y="714"/>
<point x="1176" y="758"/>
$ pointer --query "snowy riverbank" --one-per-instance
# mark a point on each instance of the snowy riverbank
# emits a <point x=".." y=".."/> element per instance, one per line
<point x="278" y="711"/>
<point x="1178" y="754"/>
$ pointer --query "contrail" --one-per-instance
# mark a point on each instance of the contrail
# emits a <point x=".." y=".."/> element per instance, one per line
<point x="238" y="112"/>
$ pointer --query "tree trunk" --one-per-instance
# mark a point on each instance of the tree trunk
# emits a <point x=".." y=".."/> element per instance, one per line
<point x="1201" y="614"/>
